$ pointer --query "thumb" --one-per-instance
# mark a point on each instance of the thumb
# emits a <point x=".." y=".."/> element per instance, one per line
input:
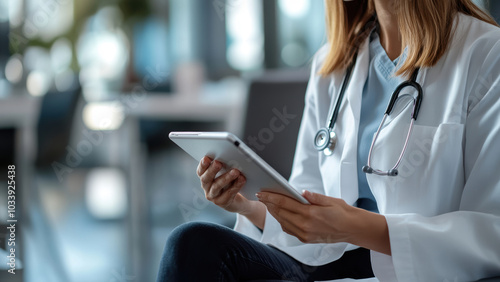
<point x="316" y="199"/>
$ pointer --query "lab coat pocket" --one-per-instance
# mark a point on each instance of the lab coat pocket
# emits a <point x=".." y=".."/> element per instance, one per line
<point x="430" y="173"/>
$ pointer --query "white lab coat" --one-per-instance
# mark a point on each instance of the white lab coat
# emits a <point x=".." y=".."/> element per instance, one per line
<point x="443" y="210"/>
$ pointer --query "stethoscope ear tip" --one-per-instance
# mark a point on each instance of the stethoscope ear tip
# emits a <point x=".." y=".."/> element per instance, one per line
<point x="367" y="169"/>
<point x="393" y="172"/>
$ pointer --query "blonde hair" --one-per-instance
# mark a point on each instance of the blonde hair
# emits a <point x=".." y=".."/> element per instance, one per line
<point x="425" y="26"/>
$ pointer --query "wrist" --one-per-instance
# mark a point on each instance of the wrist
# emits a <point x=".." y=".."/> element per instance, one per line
<point x="355" y="225"/>
<point x="255" y="212"/>
<point x="369" y="230"/>
<point x="248" y="208"/>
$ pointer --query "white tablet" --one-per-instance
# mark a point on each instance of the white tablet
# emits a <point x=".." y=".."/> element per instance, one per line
<point x="230" y="150"/>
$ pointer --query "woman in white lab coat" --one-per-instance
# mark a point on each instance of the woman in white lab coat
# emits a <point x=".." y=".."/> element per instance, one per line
<point x="438" y="220"/>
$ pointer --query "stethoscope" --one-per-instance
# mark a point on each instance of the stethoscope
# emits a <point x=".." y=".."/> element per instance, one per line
<point x="326" y="139"/>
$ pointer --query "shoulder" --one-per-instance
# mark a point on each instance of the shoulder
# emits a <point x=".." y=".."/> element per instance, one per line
<point x="319" y="84"/>
<point x="476" y="49"/>
<point x="317" y="63"/>
<point x="475" y="39"/>
<point x="475" y="27"/>
<point x="320" y="57"/>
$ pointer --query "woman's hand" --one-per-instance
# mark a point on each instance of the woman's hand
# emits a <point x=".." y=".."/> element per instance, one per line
<point x="328" y="220"/>
<point x="224" y="189"/>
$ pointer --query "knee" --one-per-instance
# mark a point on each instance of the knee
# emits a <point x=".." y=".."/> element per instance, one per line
<point x="200" y="246"/>
<point x="196" y="238"/>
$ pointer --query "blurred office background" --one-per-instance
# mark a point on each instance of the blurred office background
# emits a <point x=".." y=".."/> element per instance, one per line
<point x="90" y="89"/>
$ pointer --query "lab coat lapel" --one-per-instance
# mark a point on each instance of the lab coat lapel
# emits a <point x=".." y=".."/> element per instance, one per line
<point x="355" y="90"/>
<point x="350" y="121"/>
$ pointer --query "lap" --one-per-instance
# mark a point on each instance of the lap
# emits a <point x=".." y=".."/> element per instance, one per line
<point x="233" y="254"/>
<point x="227" y="255"/>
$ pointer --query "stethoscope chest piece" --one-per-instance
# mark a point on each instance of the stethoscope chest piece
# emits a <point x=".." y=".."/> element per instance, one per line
<point x="325" y="140"/>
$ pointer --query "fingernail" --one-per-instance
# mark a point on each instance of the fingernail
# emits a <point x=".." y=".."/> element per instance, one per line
<point x="203" y="161"/>
<point x="234" y="172"/>
<point x="258" y="195"/>
<point x="305" y="192"/>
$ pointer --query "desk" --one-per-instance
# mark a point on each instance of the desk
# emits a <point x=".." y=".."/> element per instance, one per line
<point x="179" y="108"/>
<point x="19" y="111"/>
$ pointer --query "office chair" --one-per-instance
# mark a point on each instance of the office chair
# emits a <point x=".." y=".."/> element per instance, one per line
<point x="274" y="111"/>
<point x="57" y="111"/>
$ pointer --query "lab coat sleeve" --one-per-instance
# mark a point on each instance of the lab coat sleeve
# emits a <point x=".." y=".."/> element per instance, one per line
<point x="463" y="245"/>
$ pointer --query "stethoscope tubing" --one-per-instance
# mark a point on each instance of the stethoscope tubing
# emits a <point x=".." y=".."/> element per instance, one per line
<point x="328" y="146"/>
<point x="343" y="89"/>
<point x="401" y="156"/>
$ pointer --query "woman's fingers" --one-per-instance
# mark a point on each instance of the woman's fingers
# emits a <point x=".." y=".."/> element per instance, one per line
<point x="203" y="165"/>
<point x="222" y="181"/>
<point x="207" y="178"/>
<point x="280" y="201"/>
<point x="226" y="197"/>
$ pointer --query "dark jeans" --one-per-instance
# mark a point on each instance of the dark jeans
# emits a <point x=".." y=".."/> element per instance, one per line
<point x="210" y="252"/>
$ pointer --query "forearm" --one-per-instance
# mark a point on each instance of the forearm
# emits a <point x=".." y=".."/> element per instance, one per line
<point x="256" y="213"/>
<point x="370" y="231"/>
